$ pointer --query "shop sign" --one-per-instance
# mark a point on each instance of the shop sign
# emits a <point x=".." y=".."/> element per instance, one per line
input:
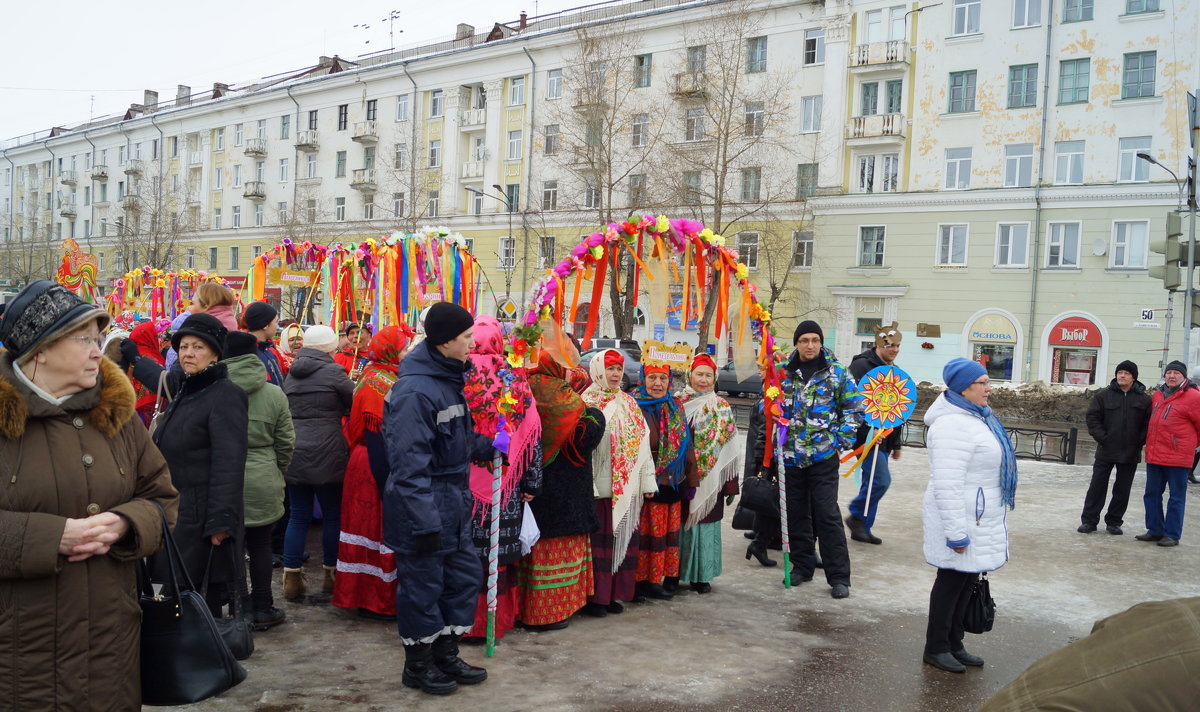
<point x="1075" y="331"/>
<point x="993" y="328"/>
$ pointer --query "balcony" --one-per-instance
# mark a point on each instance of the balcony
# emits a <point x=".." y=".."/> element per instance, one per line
<point x="255" y="190"/>
<point x="133" y="167"/>
<point x="689" y="85"/>
<point x="256" y="147"/>
<point x="99" y="172"/>
<point x="67" y="209"/>
<point x="472" y="117"/>
<point x="307" y="140"/>
<point x="472" y="169"/>
<point x="879" y="56"/>
<point x="366" y="132"/>
<point x="882" y="129"/>
<point x="364" y="180"/>
<point x="68" y="178"/>
<point x="195" y="159"/>
<point x="129" y="201"/>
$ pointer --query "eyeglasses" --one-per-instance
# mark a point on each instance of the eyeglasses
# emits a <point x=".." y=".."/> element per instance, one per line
<point x="982" y="382"/>
<point x="88" y="341"/>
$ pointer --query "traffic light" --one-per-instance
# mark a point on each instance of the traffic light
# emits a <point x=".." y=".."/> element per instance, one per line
<point x="1173" y="251"/>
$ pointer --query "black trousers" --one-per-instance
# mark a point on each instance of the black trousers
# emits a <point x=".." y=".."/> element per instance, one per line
<point x="1093" y="502"/>
<point x="258" y="549"/>
<point x="813" y="512"/>
<point x="947" y="601"/>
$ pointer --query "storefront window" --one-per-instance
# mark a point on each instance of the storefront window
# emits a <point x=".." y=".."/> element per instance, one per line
<point x="1074" y="367"/>
<point x="996" y="358"/>
<point x="993" y="339"/>
<point x="1075" y="348"/>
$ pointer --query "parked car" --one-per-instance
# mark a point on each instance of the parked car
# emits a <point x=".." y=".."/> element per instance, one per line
<point x="728" y="382"/>
<point x="629" y="346"/>
<point x="633" y="367"/>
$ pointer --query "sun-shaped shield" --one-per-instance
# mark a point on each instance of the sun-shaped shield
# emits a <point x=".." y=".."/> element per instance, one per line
<point x="889" y="397"/>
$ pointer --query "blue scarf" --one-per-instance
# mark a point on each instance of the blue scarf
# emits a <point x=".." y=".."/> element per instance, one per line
<point x="666" y="413"/>
<point x="1008" y="461"/>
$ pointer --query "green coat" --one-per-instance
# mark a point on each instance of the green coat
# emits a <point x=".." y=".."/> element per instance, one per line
<point x="270" y="442"/>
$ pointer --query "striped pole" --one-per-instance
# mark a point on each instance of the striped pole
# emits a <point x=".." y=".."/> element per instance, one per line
<point x="493" y="553"/>
<point x="871" y="479"/>
<point x="783" y="513"/>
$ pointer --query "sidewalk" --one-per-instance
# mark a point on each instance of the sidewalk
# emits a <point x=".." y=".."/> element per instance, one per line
<point x="753" y="645"/>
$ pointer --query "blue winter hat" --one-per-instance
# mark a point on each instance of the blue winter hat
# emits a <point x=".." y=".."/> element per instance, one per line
<point x="960" y="373"/>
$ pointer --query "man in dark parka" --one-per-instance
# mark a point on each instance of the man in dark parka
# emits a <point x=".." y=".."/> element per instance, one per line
<point x="1117" y="419"/>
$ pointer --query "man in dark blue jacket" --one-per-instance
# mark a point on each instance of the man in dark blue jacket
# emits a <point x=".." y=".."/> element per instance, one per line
<point x="431" y="441"/>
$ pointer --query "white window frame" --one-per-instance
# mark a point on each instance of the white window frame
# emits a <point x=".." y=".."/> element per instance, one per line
<point x="1068" y="162"/>
<point x="751" y="241"/>
<point x="507" y="253"/>
<point x="235" y="216"/>
<point x="751" y="184"/>
<point x="212" y="259"/>
<point x="1027" y="13"/>
<point x="1017" y="164"/>
<point x="799" y="237"/>
<point x="554" y="84"/>
<point x="1121" y="242"/>
<point x="284" y="173"/>
<point x="1130" y="168"/>
<point x="259" y="215"/>
<point x="514" y="145"/>
<point x="516" y="91"/>
<point x="966" y="17"/>
<point x="433" y="203"/>
<point x="402" y="107"/>
<point x="859" y="247"/>
<point x="339" y="209"/>
<point x="1000" y="236"/>
<point x="237" y="175"/>
<point x="435" y="153"/>
<point x="958" y="169"/>
<point x="643" y="68"/>
<point x="640" y="130"/>
<point x="693" y="124"/>
<point x="948" y="235"/>
<point x="549" y="195"/>
<point x="1057" y="238"/>
<point x="219" y="140"/>
<point x="234" y="258"/>
<point x="552" y="140"/>
<point x="591" y="196"/>
<point x="756" y="54"/>
<point x="810" y="113"/>
<point x="872" y="29"/>
<point x="814" y="44"/>
<point x="756" y="118"/>
<point x="436" y="103"/>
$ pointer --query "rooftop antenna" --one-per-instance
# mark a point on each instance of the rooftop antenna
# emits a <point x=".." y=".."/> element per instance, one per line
<point x="391" y="20"/>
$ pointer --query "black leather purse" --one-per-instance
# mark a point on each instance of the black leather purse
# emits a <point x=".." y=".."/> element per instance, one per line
<point x="184" y="658"/>
<point x="743" y="519"/>
<point x="237" y="632"/>
<point x="760" y="496"/>
<point x="980" y="613"/>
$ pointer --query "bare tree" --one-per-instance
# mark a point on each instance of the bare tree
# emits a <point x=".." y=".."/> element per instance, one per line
<point x="158" y="211"/>
<point x="30" y="254"/>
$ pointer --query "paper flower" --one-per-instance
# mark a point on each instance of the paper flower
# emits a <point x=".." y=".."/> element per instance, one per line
<point x="773" y="392"/>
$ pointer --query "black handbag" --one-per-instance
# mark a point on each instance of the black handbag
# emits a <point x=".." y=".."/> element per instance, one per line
<point x="980" y="613"/>
<point x="760" y="496"/>
<point x="184" y="658"/>
<point x="238" y="631"/>
<point x="743" y="519"/>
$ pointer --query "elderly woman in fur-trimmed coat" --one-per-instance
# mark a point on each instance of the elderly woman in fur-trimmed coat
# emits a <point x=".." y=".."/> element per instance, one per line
<point x="78" y="481"/>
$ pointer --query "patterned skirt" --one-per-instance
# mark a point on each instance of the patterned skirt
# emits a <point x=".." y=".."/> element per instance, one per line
<point x="700" y="553"/>
<point x="658" y="555"/>
<point x="609" y="586"/>
<point x="508" y="603"/>
<point x="366" y="568"/>
<point x="556" y="579"/>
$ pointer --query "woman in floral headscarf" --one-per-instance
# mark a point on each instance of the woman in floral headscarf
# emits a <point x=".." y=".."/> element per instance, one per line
<point x="718" y="461"/>
<point x="491" y="385"/>
<point x="366" y="569"/>
<point x="291" y="340"/>
<point x="623" y="475"/>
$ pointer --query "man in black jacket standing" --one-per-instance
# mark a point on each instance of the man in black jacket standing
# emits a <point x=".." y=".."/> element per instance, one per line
<point x="427" y="503"/>
<point x="1117" y="419"/>
<point x="862" y="512"/>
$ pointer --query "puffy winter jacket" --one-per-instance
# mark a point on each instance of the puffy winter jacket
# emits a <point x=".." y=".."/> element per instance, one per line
<point x="318" y="394"/>
<point x="962" y="502"/>
<point x="1117" y="421"/>
<point x="825" y="411"/>
<point x="1174" y="427"/>
<point x="270" y="440"/>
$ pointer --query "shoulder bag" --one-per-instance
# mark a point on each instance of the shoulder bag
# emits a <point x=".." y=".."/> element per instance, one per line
<point x="158" y="402"/>
<point x="184" y="658"/>
<point x="237" y="632"/>
<point x="980" y="613"/>
<point x="760" y="495"/>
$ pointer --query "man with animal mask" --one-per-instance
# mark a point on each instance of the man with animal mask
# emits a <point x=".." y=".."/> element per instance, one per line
<point x="862" y="512"/>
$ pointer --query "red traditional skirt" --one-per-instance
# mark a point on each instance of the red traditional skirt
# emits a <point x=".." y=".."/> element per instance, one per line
<point x="508" y="603"/>
<point x="366" y="568"/>
<point x="658" y="553"/>
<point x="556" y="579"/>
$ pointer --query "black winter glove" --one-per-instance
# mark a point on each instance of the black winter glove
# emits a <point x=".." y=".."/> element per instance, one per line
<point x="729" y="499"/>
<point x="129" y="353"/>
<point x="427" y="544"/>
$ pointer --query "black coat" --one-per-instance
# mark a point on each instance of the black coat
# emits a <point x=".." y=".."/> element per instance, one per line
<point x="319" y="394"/>
<point x="756" y="441"/>
<point x="203" y="436"/>
<point x="566" y="505"/>
<point x="1117" y="421"/>
<point x="859" y="367"/>
<point x="431" y="440"/>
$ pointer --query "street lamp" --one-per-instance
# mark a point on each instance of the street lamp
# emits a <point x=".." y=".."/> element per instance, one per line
<point x="1191" y="248"/>
<point x="1178" y="183"/>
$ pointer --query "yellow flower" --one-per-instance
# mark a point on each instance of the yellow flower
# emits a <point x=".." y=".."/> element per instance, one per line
<point x="773" y="392"/>
<point x="706" y="234"/>
<point x="742" y="271"/>
<point x="597" y="252"/>
<point x="718" y="240"/>
<point x="513" y="359"/>
<point x="663" y="224"/>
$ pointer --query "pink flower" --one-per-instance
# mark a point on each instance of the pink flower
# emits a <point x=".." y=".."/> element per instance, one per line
<point x="595" y="240"/>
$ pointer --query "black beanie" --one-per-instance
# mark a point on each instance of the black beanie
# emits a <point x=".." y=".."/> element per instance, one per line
<point x="808" y="326"/>
<point x="1128" y="366"/>
<point x="240" y="343"/>
<point x="1176" y="366"/>
<point x="445" y="321"/>
<point x="258" y="315"/>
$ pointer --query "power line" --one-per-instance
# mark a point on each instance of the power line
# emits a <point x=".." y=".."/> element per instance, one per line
<point x="85" y="91"/>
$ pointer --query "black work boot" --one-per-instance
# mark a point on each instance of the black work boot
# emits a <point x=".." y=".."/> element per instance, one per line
<point x="445" y="656"/>
<point x="421" y="672"/>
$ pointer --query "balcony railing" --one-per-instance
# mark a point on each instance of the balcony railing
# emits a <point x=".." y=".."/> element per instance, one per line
<point x="68" y="178"/>
<point x="307" y="140"/>
<point x="889" y="52"/>
<point x="472" y="117"/>
<point x="366" y="132"/>
<point x="255" y="190"/>
<point x="876" y="126"/>
<point x="129" y="201"/>
<point x="363" y="179"/>
<point x="195" y="158"/>
<point x="99" y="171"/>
<point x="256" y="147"/>
<point x="689" y="84"/>
<point x="67" y="209"/>
<point x="472" y="169"/>
<point x="133" y="167"/>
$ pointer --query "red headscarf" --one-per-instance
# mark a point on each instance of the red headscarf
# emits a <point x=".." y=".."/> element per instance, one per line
<point x="648" y="369"/>
<point x="384" y="353"/>
<point x="145" y="335"/>
<point x="703" y="360"/>
<point x="613" y="358"/>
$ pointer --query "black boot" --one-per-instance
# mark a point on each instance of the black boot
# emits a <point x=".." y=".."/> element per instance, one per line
<point x="420" y="671"/>
<point x="670" y="584"/>
<point x="759" y="551"/>
<point x="445" y="656"/>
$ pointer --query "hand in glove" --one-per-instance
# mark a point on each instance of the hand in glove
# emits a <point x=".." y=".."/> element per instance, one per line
<point x="689" y="492"/>
<point x="427" y="544"/>
<point x="129" y="352"/>
<point x="501" y="441"/>
<point x="729" y="499"/>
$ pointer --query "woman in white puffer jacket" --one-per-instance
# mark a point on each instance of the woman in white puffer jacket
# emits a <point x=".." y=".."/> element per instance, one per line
<point x="973" y="478"/>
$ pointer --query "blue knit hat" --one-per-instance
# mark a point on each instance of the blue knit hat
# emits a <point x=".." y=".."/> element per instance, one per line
<point x="960" y="373"/>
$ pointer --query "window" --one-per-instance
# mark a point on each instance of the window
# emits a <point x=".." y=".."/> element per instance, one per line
<point x="282" y="209"/>
<point x="755" y="118"/>
<point x="312" y="120"/>
<point x="435" y="153"/>
<point x="339" y="165"/>
<point x="516" y="91"/>
<point x="1063" y="247"/>
<point x="260" y="173"/>
<point x="546" y="250"/>
<point x="872" y="26"/>
<point x="369" y="207"/>
<point x="1137" y="79"/>
<point x="966" y="16"/>
<point x="814" y="47"/>
<point x="1129" y="166"/>
<point x="310" y="161"/>
<point x="372" y="109"/>
<point x="435" y="103"/>
<point x="514" y="145"/>
<point x="261" y="129"/>
<point x="692" y="184"/>
<point x="693" y="125"/>
<point x="339" y="209"/>
<point x="233" y="258"/>
<point x="878" y="173"/>
<point x="756" y="55"/>
<point x="311" y="209"/>
<point x="122" y="154"/>
<point x="962" y="92"/>
<point x="258" y="215"/>
<point x="216" y="221"/>
<point x="1068" y="162"/>
<point x="810" y="113"/>
<point x="1074" y="77"/>
<point x="1022" y="85"/>
<point x="285" y="127"/>
<point x="554" y="84"/>
<point x="550" y="195"/>
<point x="508" y="253"/>
<point x="1129" y="245"/>
<point x="1027" y="13"/>
<point x="190" y="259"/>
<point x="806" y="180"/>
<point x="593" y="131"/>
<point x="236" y="216"/>
<point x="892" y="96"/>
<point x="591" y="196"/>
<point x="1135" y="6"/>
<point x="1018" y="165"/>
<point x="1077" y="10"/>
<point x="958" y="169"/>
<point x="751" y="185"/>
<point x="153" y="151"/>
<point x="400" y="157"/>
<point x="641" y="70"/>
<point x="237" y="175"/>
<point x="343" y="116"/>
<point x="870" y="246"/>
<point x="952" y="246"/>
<point x="219" y="140"/>
<point x="283" y="170"/>
<point x="869" y="101"/>
<point x="553" y="138"/>
<point x="637" y="189"/>
<point x="217" y="182"/>
<point x="1012" y="244"/>
<point x="398" y="204"/>
<point x="696" y="57"/>
<point x="512" y="195"/>
<point x="174" y="149"/>
<point x="640" y="130"/>
<point x="802" y="247"/>
<point x="212" y="259"/>
<point x="369" y="157"/>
